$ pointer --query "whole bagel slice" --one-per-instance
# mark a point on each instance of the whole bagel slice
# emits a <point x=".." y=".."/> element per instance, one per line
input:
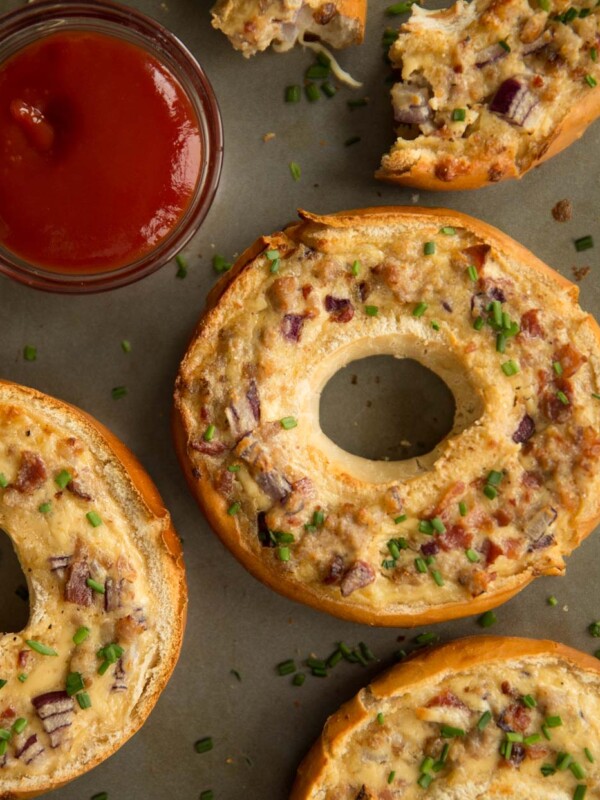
<point x="107" y="593"/>
<point x="489" y="90"/>
<point x="503" y="498"/>
<point x="483" y="717"/>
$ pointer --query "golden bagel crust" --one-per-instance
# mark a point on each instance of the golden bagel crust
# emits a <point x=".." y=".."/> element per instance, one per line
<point x="223" y="356"/>
<point x="439" y="52"/>
<point x="129" y="504"/>
<point x="253" y="25"/>
<point x="428" y="688"/>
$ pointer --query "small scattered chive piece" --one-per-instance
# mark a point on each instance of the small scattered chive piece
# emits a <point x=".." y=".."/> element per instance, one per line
<point x="563" y="398"/>
<point x="295" y="170"/>
<point x="233" y="509"/>
<point x="425" y="526"/>
<point x="100" y="796"/>
<point x="547" y="769"/>
<point x="500" y="342"/>
<point x="437" y="577"/>
<point x="509" y="368"/>
<point x="391" y="776"/>
<point x="420" y="565"/>
<point x="287" y="423"/>
<point x="317" y="72"/>
<point x="371" y="311"/>
<point x="535" y="737"/>
<point x="425" y="780"/>
<point x="234" y="468"/>
<point x="448" y="230"/>
<point x="462" y="508"/>
<point x="209" y="433"/>
<point x="328" y="89"/>
<point x="3" y="682"/>
<point x="513" y="736"/>
<point x="40" y="648"/>
<point x="504" y="45"/>
<point x="29" y="352"/>
<point x="356" y="269"/>
<point x="584" y="243"/>
<point x="484" y="720"/>
<point x="472" y="273"/>
<point x="207" y="794"/>
<point x="63" y="479"/>
<point x="594" y="629"/>
<point x="450" y="732"/>
<point x="478" y="323"/>
<point x="588" y="755"/>
<point x="94" y="519"/>
<point x="399" y="8"/>
<point x="490" y="492"/>
<point x="283" y="553"/>
<point x="420" y="309"/>
<point x="312" y="92"/>
<point x="594" y="54"/>
<point x="401" y="518"/>
<point x="426" y="638"/>
<point x="126" y="346"/>
<point x="563" y="761"/>
<point x="487" y="620"/>
<point x="95" y="586"/>
<point x="3" y="481"/>
<point x="299" y="679"/>
<point x="45" y="508"/>
<point x="204" y="745"/>
<point x="579" y="793"/>
<point x="554" y="722"/>
<point x="472" y="555"/>
<point x="220" y="264"/>
<point x="435" y="325"/>
<point x="591" y="81"/>
<point x="117" y="392"/>
<point x="352" y="140"/>
<point x="292" y="94"/>
<point x="545" y="5"/>
<point x="577" y="770"/>
<point x="81" y="634"/>
<point x="529" y="701"/>
<point x="182" y="267"/>
<point x="360" y="103"/>
<point x="22" y="677"/>
<point x="437" y="525"/>
<point x="380" y="718"/>
<point x="594" y="395"/>
<point x="4" y="734"/>
<point x="286" y="667"/>
<point x="19" y="725"/>
<point x="459" y="115"/>
<point x="429" y="248"/>
<point x="74" y="683"/>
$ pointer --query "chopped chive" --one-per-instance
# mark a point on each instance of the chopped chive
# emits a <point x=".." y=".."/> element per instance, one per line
<point x="462" y="508"/>
<point x="435" y="325"/>
<point x="497" y="312"/>
<point x="420" y="565"/>
<point x="74" y="683"/>
<point x="126" y="346"/>
<point x="594" y="54"/>
<point x="554" y="722"/>
<point x="221" y="264"/>
<point x="204" y="745"/>
<point x="509" y="368"/>
<point x="513" y="736"/>
<point x="22" y="677"/>
<point x="318" y="518"/>
<point x="315" y="663"/>
<point x="380" y="718"/>
<point x="352" y="140"/>
<point x="298" y="679"/>
<point x="391" y="776"/>
<point x="529" y="701"/>
<point x="323" y="59"/>
<point x="3" y="481"/>
<point x="484" y="720"/>
<point x="472" y="556"/>
<point x="425" y="526"/>
<point x="287" y="423"/>
<point x="472" y="273"/>
<point x="334" y="659"/>
<point x="478" y="323"/>
<point x="207" y="794"/>
<point x="425" y="780"/>
<point x="459" y="115"/>
<point x="429" y="248"/>
<point x="448" y="230"/>
<point x="490" y="492"/>
<point x="563" y="761"/>
<point x="544" y="4"/>
<point x="100" y="796"/>
<point x="233" y="509"/>
<point x="504" y="45"/>
<point x="317" y="72"/>
<point x="286" y="667"/>
<point x="295" y="170"/>
<point x="234" y="468"/>
<point x="494" y="477"/>
<point x="577" y="770"/>
<point x="182" y="267"/>
<point x="312" y="92"/>
<point x="3" y="682"/>
<point x="399" y="8"/>
<point x="591" y="81"/>
<point x="563" y="398"/>
<point x="356" y="268"/>
<point x="4" y="734"/>
<point x="547" y="769"/>
<point x="584" y="243"/>
<point x="94" y="519"/>
<point x="371" y="311"/>
<point x="450" y="732"/>
<point x="292" y="94"/>
<point x="594" y="629"/>
<point x="500" y="342"/>
<point x="444" y="753"/>
<point x="506" y="749"/>
<point x="557" y="367"/>
<point x="40" y="648"/>
<point x="45" y="508"/>
<point x="81" y="634"/>
<point x="3" y="746"/>
<point x="401" y="518"/>
<point x="29" y="352"/>
<point x="579" y="793"/>
<point x="535" y="737"/>
<point x="318" y="672"/>
<point x="426" y="638"/>
<point x="594" y="395"/>
<point x="588" y="755"/>
<point x="394" y="549"/>
<point x="438" y="525"/>
<point x="437" y="577"/>
<point x="95" y="586"/>
<point x="283" y="553"/>
<point x="487" y="620"/>
<point x="427" y="764"/>
<point x="360" y="103"/>
<point x="209" y="433"/>
<point x="328" y="89"/>
<point x="63" y="479"/>
<point x="117" y="392"/>
<point x="19" y="725"/>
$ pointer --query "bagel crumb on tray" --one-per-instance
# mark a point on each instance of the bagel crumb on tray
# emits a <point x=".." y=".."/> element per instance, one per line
<point x="503" y="498"/>
<point x="107" y="591"/>
<point x="487" y="90"/>
<point x="482" y="717"/>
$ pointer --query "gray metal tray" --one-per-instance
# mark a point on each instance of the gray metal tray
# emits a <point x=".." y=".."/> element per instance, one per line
<point x="262" y="725"/>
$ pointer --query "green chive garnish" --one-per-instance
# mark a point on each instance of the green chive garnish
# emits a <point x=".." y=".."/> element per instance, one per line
<point x="437" y="577"/>
<point x="484" y="720"/>
<point x="3" y="481"/>
<point x="509" y="368"/>
<point x="295" y="170"/>
<point x="579" y="793"/>
<point x="429" y="248"/>
<point x="283" y="553"/>
<point x="459" y="115"/>
<point x="563" y="398"/>
<point x="435" y="325"/>
<point x="221" y="264"/>
<point x="371" y="311"/>
<point x="84" y="700"/>
<point x="399" y="8"/>
<point x="317" y="72"/>
<point x="584" y="243"/>
<point x="545" y="5"/>
<point x="63" y="479"/>
<point x="472" y="273"/>
<point x="234" y="468"/>
<point x="487" y="620"/>
<point x="426" y="638"/>
<point x="425" y="780"/>
<point x="328" y="89"/>
<point x="100" y="796"/>
<point x="29" y="352"/>
<point x="448" y="230"/>
<point x="74" y="683"/>
<point x="126" y="346"/>
<point x="589" y="755"/>
<point x="591" y="81"/>
<point x="182" y="267"/>
<point x="512" y="736"/>
<point x="95" y="586"/>
<point x="209" y="433"/>
<point x="425" y="526"/>
<point x="40" y="648"/>
<point x="554" y="722"/>
<point x="380" y="718"/>
<point x="287" y="423"/>
<point x="233" y="509"/>
<point x="94" y="519"/>
<point x="2" y="683"/>
<point x="22" y="677"/>
<point x="81" y="634"/>
<point x="19" y="725"/>
<point x="292" y="94"/>
<point x="117" y="392"/>
<point x="478" y="323"/>
<point x="401" y="518"/>
<point x="360" y="103"/>
<point x="45" y="508"/>
<point x="438" y="525"/>
<point x="462" y="509"/>
<point x="529" y="701"/>
<point x="299" y="679"/>
<point x="529" y="740"/>
<point x="420" y="309"/>
<point x="504" y="45"/>
<point x="449" y="732"/>
<point x="286" y="667"/>
<point x="500" y="342"/>
<point x="204" y="745"/>
<point x="472" y="556"/>
<point x="356" y="268"/>
<point x="577" y="770"/>
<point x="391" y="776"/>
<point x="420" y="565"/>
<point x="563" y="760"/>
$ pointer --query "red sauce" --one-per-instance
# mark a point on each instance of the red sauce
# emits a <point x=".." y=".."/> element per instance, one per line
<point x="99" y="152"/>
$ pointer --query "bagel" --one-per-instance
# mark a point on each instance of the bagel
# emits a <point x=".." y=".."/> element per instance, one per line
<point x="107" y="592"/>
<point x="490" y="89"/>
<point x="503" y="498"/>
<point x="254" y="25"/>
<point x="483" y="717"/>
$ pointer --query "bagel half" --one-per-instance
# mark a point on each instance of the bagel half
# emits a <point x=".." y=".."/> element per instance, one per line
<point x="255" y="25"/>
<point x="450" y="715"/>
<point x="490" y="89"/>
<point x="503" y="498"/>
<point x="99" y="553"/>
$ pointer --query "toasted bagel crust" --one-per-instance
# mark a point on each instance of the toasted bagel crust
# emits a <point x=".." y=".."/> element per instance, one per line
<point x="124" y="492"/>
<point x="430" y="673"/>
<point x="335" y="238"/>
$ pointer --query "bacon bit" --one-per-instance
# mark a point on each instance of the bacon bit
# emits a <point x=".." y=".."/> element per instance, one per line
<point x="455" y="537"/>
<point x="128" y="628"/>
<point x="306" y="290"/>
<point x="514" y="718"/>
<point x="339" y="308"/>
<point x="447" y="699"/>
<point x="335" y="571"/>
<point x="477" y="255"/>
<point x="392" y="501"/>
<point x="530" y="324"/>
<point x="32" y="473"/>
<point x="75" y="488"/>
<point x="8" y="713"/>
<point x="214" y="448"/>
<point x="502" y="517"/>
<point x="76" y="589"/>
<point x="359" y="575"/>
<point x="532" y="479"/>
<point x="570" y="359"/>
<point x="492" y="551"/>
<point x="553" y="408"/>
<point x="581" y="272"/>
<point x="512" y="548"/>
<point x="447" y="499"/>
<point x="536" y="751"/>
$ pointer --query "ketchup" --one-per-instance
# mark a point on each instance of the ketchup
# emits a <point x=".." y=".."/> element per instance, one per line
<point x="99" y="152"/>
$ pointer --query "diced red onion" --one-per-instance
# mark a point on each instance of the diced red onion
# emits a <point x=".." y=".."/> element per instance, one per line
<point x="525" y="430"/>
<point x="513" y="101"/>
<point x="490" y="55"/>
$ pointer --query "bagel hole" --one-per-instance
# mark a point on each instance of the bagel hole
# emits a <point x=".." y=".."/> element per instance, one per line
<point x="14" y="595"/>
<point x="386" y="409"/>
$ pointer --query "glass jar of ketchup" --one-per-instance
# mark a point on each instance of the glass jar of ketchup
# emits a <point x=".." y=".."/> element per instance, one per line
<point x="110" y="145"/>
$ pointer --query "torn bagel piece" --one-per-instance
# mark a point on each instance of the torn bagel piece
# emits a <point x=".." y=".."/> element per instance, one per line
<point x="487" y="90"/>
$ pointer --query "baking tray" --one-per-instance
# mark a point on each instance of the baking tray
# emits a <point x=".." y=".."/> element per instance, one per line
<point x="262" y="725"/>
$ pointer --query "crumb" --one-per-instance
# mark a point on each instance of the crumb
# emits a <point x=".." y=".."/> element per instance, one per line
<point x="563" y="211"/>
<point x="379" y="194"/>
<point x="229" y="760"/>
<point x="565" y="608"/>
<point x="580" y="272"/>
<point x="323" y="143"/>
<point x="354" y="380"/>
<point x="268" y="136"/>
<point x="377" y="379"/>
<point x="316" y="186"/>
<point x="415" y="198"/>
<point x="297" y="704"/>
<point x="164" y="7"/>
<point x="369" y="404"/>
